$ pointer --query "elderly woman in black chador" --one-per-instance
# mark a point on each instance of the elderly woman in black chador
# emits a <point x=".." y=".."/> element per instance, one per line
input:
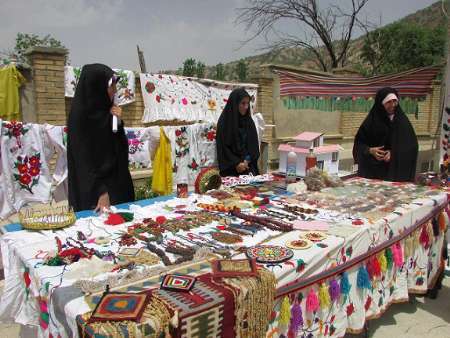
<point x="236" y="137"/>
<point x="97" y="156"/>
<point x="386" y="145"/>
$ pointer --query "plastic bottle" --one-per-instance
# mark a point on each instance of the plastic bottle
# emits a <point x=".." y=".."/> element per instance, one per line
<point x="311" y="160"/>
<point x="291" y="168"/>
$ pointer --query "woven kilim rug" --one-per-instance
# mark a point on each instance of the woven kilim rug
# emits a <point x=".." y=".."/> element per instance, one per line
<point x="206" y="311"/>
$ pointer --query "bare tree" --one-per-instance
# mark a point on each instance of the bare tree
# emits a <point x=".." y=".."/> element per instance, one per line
<point x="326" y="31"/>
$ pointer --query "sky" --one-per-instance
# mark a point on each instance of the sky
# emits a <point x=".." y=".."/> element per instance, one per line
<point x="168" y="31"/>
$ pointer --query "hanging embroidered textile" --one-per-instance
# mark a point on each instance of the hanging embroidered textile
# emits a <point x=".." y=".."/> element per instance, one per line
<point x="125" y="87"/>
<point x="193" y="148"/>
<point x="168" y="97"/>
<point x="25" y="175"/>
<point x="138" y="148"/>
<point x="58" y="139"/>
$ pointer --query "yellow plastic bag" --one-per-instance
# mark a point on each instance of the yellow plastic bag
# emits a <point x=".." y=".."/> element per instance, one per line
<point x="162" y="166"/>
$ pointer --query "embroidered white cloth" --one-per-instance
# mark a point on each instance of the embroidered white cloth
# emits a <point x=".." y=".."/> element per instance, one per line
<point x="125" y="87"/>
<point x="58" y="139"/>
<point x="138" y="148"/>
<point x="169" y="97"/>
<point x="193" y="147"/>
<point x="25" y="175"/>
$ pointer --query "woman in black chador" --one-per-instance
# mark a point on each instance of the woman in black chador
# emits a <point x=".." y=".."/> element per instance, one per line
<point x="236" y="137"/>
<point x="386" y="145"/>
<point x="97" y="157"/>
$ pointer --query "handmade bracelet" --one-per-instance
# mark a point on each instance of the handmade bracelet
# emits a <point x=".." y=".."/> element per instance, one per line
<point x="264" y="221"/>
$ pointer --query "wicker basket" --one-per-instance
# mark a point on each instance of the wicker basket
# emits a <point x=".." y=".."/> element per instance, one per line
<point x="47" y="218"/>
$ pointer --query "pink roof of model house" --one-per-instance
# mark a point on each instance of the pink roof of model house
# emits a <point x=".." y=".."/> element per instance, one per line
<point x="307" y="136"/>
<point x="329" y="148"/>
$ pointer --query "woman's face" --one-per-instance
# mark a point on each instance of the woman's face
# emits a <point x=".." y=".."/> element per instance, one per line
<point x="243" y="105"/>
<point x="390" y="106"/>
<point x="112" y="90"/>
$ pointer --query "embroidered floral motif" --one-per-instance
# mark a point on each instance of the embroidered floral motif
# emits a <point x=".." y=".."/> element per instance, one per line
<point x="209" y="133"/>
<point x="16" y="130"/>
<point x="212" y="105"/>
<point x="182" y="142"/>
<point x="134" y="144"/>
<point x="193" y="165"/>
<point x="122" y="86"/>
<point x="28" y="171"/>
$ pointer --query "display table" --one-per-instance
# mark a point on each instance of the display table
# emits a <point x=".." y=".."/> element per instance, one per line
<point x="380" y="242"/>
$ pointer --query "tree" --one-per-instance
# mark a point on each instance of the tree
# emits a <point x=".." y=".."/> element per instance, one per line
<point x="326" y="32"/>
<point x="200" y="69"/>
<point x="401" y="46"/>
<point x="189" y="67"/>
<point x="220" y="72"/>
<point x="241" y="70"/>
<point x="25" y="41"/>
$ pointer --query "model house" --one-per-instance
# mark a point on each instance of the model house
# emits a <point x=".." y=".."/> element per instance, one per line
<point x="327" y="155"/>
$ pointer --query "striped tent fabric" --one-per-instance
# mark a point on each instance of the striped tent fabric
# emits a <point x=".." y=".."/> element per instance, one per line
<point x="412" y="83"/>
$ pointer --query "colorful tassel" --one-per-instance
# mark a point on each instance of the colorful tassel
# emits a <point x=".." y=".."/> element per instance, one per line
<point x="363" y="279"/>
<point x="383" y="262"/>
<point x="441" y="222"/>
<point x="424" y="237"/>
<point x="370" y="269"/>
<point x="345" y="284"/>
<point x="373" y="268"/>
<point x="389" y="259"/>
<point x="398" y="254"/>
<point x="409" y="246"/>
<point x="435" y="225"/>
<point x="324" y="296"/>
<point x="312" y="302"/>
<point x="296" y="319"/>
<point x="114" y="219"/>
<point x="127" y="216"/>
<point x="335" y="290"/>
<point x="285" y="313"/>
<point x="119" y="218"/>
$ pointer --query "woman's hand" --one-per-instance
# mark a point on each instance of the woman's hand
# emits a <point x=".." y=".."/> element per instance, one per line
<point x="103" y="203"/>
<point x="117" y="111"/>
<point x="242" y="167"/>
<point x="378" y="153"/>
<point x="387" y="156"/>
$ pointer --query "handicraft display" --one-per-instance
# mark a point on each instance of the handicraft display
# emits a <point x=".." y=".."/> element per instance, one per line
<point x="50" y="218"/>
<point x="269" y="254"/>
<point x="173" y="282"/>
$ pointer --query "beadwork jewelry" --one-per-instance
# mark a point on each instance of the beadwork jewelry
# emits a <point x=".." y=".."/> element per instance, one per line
<point x="226" y="238"/>
<point x="264" y="221"/>
<point x="127" y="240"/>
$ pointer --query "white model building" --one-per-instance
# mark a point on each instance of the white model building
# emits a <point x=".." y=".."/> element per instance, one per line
<point x="327" y="155"/>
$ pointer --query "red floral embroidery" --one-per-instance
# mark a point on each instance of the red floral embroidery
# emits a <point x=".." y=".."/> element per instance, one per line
<point x="193" y="165"/>
<point x="182" y="142"/>
<point x="184" y="101"/>
<point x="28" y="171"/>
<point x="16" y="130"/>
<point x="350" y="309"/>
<point x="209" y="133"/>
<point x="150" y="87"/>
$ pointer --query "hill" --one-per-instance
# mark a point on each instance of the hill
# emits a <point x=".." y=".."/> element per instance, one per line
<point x="430" y="17"/>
